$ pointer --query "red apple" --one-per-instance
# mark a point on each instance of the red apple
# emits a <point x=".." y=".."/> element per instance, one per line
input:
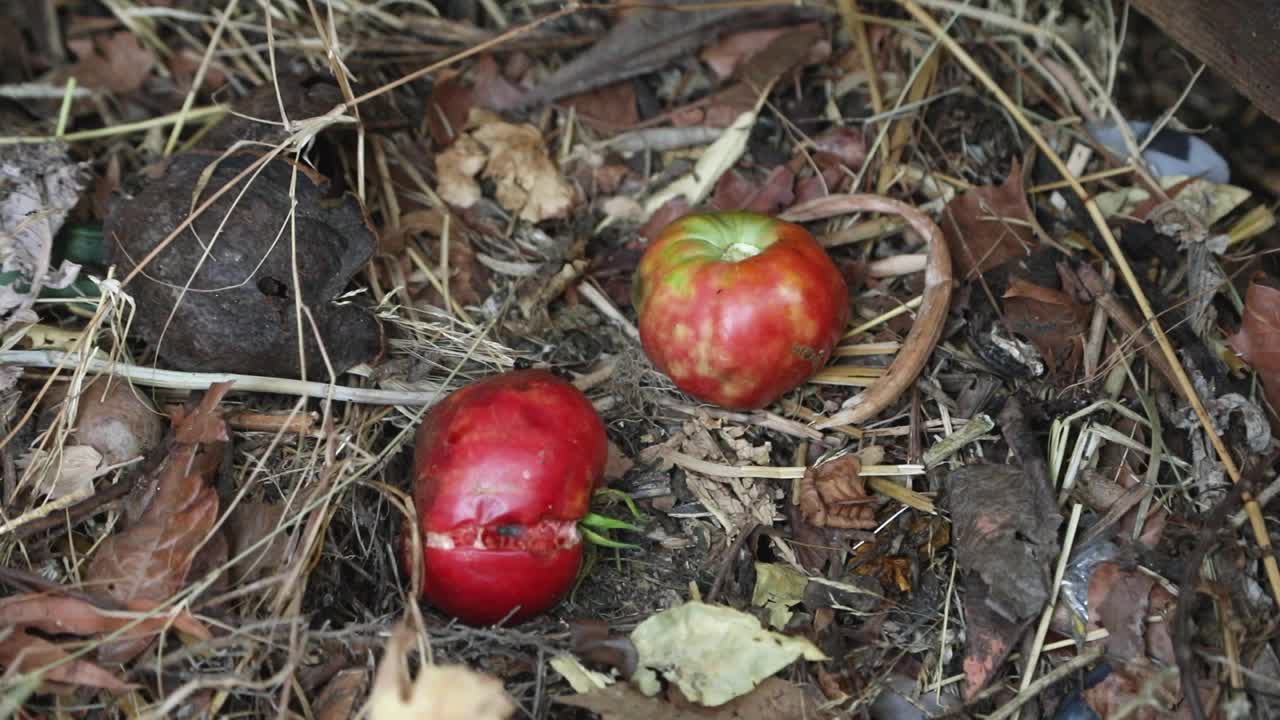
<point x="504" y="469"/>
<point x="738" y="308"/>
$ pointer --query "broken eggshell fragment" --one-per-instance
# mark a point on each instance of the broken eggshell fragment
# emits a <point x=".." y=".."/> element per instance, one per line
<point x="231" y="273"/>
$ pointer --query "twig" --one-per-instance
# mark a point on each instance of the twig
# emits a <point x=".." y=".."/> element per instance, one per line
<point x="723" y="572"/>
<point x="1129" y="325"/>
<point x="1215" y="522"/>
<point x="1037" y="645"/>
<point x="977" y="426"/>
<point x="927" y="328"/>
<point x="177" y="380"/>
<point x="1058" y="674"/>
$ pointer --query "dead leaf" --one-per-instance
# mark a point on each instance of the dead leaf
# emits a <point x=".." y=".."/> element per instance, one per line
<point x="767" y="196"/>
<point x="989" y="226"/>
<point x="834" y="495"/>
<point x="846" y="145"/>
<point x="21" y="652"/>
<point x="778" y="588"/>
<point x="114" y="62"/>
<point x="249" y="524"/>
<point x="1153" y="694"/>
<point x="39" y="186"/>
<point x="596" y="643"/>
<point x="58" y="614"/>
<point x="623" y="702"/>
<point x="528" y="182"/>
<point x="1118" y="602"/>
<point x="712" y="653"/>
<point x="1258" y="340"/>
<point x="1053" y="322"/>
<point x="340" y="697"/>
<point x="71" y="475"/>
<point x="664" y="215"/>
<point x="447" y="109"/>
<point x="184" y="65"/>
<point x="439" y="692"/>
<point x="775" y="698"/>
<point x="453" y="97"/>
<point x="617" y="464"/>
<point x="150" y="559"/>
<point x="726" y="56"/>
<point x="611" y="108"/>
<point x="736" y="503"/>
<point x="644" y="41"/>
<point x="456" y="169"/>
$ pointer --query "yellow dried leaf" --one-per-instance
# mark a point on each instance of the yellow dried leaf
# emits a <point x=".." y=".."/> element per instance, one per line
<point x="440" y="692"/>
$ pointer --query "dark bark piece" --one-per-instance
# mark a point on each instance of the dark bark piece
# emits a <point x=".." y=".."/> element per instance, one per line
<point x="1006" y="534"/>
<point x="989" y="640"/>
<point x="1239" y="39"/>
<point x="238" y="314"/>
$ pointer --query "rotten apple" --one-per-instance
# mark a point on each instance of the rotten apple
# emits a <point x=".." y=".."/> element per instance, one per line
<point x="504" y="469"/>
<point x="738" y="308"/>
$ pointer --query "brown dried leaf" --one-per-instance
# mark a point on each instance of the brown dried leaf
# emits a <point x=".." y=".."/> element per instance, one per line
<point x="617" y="464"/>
<point x="767" y="196"/>
<point x="594" y="642"/>
<point x="988" y="226"/>
<point x="250" y="523"/>
<point x="150" y="559"/>
<point x="726" y="56"/>
<point x="339" y="698"/>
<point x="668" y="213"/>
<point x="58" y="614"/>
<point x="1054" y="322"/>
<point x="623" y="702"/>
<point x="184" y="65"/>
<point x="845" y="144"/>
<point x="447" y="109"/>
<point x="114" y="62"/>
<point x="610" y="109"/>
<point x="834" y="495"/>
<point x="453" y="98"/>
<point x="1118" y="602"/>
<point x="1146" y="691"/>
<point x="1258" y="340"/>
<point x="21" y="653"/>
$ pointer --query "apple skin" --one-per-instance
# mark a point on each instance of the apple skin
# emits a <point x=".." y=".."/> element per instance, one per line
<point x="738" y="308"/>
<point x="504" y="468"/>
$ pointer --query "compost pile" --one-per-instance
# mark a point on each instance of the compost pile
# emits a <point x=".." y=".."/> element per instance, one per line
<point x="308" y="309"/>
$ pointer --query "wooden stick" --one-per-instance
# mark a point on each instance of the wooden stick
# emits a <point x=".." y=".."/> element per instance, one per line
<point x="926" y="329"/>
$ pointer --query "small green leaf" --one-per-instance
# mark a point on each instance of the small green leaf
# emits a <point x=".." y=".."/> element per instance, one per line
<point x="597" y="539"/>
<point x="604" y="522"/>
<point x="619" y="495"/>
